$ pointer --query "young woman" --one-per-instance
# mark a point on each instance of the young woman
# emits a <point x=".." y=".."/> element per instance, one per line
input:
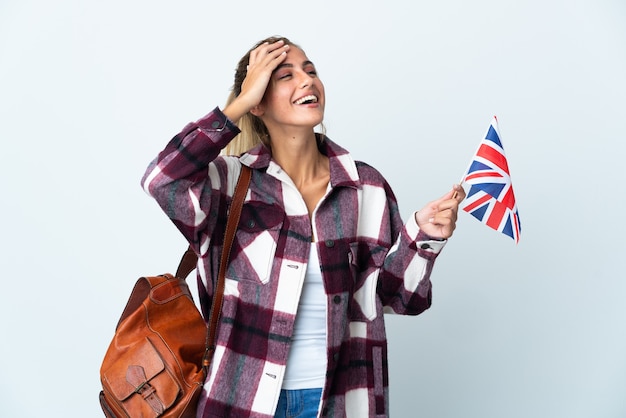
<point x="320" y="251"/>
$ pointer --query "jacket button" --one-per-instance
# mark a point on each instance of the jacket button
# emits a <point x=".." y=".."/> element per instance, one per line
<point x="337" y="299"/>
<point x="425" y="246"/>
<point x="216" y="124"/>
<point x="330" y="243"/>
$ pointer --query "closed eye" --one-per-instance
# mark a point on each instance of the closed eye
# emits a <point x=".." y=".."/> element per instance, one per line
<point x="307" y="66"/>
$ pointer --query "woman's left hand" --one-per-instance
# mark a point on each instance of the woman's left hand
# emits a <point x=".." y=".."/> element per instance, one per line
<point x="438" y="218"/>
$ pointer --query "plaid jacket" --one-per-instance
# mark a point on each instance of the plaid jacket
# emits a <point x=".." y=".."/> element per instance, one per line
<point x="371" y="263"/>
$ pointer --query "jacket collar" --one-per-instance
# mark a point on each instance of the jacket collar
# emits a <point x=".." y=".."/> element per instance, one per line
<point x="343" y="171"/>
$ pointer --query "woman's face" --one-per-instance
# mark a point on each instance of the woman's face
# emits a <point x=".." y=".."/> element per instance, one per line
<point x="294" y="95"/>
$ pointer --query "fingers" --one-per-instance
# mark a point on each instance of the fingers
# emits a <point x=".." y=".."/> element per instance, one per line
<point x="451" y="200"/>
<point x="447" y="211"/>
<point x="459" y="192"/>
<point x="263" y="61"/>
<point x="268" y="56"/>
<point x="443" y="221"/>
<point x="444" y="215"/>
<point x="439" y="224"/>
<point x="446" y="225"/>
<point x="438" y="218"/>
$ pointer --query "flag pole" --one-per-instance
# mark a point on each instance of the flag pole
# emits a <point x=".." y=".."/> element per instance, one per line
<point x="463" y="176"/>
<point x="462" y="179"/>
<point x="471" y="161"/>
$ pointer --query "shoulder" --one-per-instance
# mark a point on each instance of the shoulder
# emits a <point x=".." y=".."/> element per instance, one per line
<point x="370" y="175"/>
<point x="348" y="171"/>
<point x="374" y="182"/>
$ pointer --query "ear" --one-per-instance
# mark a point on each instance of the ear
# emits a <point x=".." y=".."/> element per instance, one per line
<point x="257" y="110"/>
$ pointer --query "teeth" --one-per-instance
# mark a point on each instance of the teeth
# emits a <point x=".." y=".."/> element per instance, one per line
<point x="307" y="99"/>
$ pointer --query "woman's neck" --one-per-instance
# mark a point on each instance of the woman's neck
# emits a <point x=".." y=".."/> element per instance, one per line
<point x="307" y="167"/>
<point x="299" y="157"/>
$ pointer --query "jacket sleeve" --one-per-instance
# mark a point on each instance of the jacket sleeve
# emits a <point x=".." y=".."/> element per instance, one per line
<point x="404" y="284"/>
<point x="188" y="179"/>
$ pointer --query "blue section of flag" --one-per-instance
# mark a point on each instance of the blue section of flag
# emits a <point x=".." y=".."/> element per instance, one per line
<point x="479" y="212"/>
<point x="476" y="166"/>
<point x="493" y="136"/>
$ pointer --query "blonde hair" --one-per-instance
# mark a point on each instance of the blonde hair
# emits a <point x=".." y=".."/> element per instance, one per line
<point x="253" y="130"/>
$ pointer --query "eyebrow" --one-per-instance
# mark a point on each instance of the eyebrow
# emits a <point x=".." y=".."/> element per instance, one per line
<point x="304" y="64"/>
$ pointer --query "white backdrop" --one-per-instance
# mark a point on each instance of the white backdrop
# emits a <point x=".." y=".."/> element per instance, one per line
<point x="91" y="91"/>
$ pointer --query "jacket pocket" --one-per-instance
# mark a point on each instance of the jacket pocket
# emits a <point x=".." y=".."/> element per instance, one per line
<point x="365" y="263"/>
<point x="256" y="239"/>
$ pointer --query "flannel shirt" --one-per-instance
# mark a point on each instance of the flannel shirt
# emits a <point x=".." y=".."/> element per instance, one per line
<point x="371" y="263"/>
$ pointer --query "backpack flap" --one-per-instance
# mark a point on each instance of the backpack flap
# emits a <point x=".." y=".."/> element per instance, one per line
<point x="141" y="378"/>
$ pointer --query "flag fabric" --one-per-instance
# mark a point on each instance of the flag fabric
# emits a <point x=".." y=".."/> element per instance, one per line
<point x="490" y="198"/>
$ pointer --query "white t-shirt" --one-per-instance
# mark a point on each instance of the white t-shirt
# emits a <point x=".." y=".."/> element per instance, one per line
<point x="306" y="364"/>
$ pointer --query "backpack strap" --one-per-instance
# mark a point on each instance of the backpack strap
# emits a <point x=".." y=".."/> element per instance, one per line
<point x="189" y="261"/>
<point x="231" y="227"/>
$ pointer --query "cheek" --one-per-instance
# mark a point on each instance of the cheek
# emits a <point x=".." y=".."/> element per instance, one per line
<point x="320" y="87"/>
<point x="271" y="91"/>
<point x="274" y="96"/>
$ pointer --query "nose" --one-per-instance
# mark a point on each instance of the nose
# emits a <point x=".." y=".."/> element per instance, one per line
<point x="306" y="80"/>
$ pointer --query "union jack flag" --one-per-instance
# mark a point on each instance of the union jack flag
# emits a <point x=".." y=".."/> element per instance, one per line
<point x="490" y="198"/>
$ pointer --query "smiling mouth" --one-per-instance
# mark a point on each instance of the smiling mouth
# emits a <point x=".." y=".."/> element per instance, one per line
<point x="306" y="100"/>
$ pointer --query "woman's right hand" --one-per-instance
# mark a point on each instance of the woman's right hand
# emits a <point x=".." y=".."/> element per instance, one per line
<point x="263" y="61"/>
